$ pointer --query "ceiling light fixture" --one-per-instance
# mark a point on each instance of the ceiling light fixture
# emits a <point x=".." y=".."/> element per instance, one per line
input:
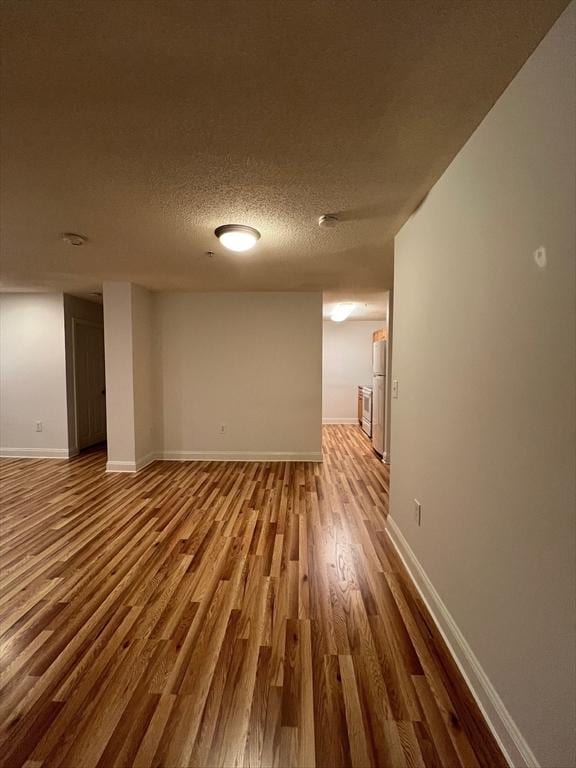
<point x="342" y="311"/>
<point x="237" y="237"/>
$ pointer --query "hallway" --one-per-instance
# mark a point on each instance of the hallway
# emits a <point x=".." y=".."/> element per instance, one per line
<point x="219" y="614"/>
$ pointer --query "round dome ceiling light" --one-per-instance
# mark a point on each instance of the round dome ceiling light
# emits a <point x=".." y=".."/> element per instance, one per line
<point x="237" y="237"/>
<point x="342" y="311"/>
<point x="72" y="239"/>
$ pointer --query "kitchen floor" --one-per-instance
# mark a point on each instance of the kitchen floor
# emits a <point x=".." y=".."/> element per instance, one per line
<point x="219" y="614"/>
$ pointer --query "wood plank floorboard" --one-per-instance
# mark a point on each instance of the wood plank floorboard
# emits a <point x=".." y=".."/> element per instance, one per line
<point x="219" y="614"/>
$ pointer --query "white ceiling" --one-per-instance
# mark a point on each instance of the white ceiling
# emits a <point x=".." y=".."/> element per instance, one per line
<point x="145" y="125"/>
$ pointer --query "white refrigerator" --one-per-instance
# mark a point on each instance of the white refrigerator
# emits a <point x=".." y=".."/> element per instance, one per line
<point x="379" y="357"/>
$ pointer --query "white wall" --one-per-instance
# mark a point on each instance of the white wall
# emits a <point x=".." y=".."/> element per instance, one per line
<point x="389" y="350"/>
<point x="144" y="407"/>
<point x="346" y="365"/>
<point x="120" y="429"/>
<point x="483" y="430"/>
<point x="251" y="361"/>
<point x="32" y="375"/>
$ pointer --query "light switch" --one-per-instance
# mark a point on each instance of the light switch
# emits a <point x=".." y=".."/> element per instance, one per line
<point x="395" y="389"/>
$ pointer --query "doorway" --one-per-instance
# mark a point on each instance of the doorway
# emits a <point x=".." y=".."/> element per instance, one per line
<point x="89" y="382"/>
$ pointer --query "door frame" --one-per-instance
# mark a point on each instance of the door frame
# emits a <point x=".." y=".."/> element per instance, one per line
<point x="75" y="322"/>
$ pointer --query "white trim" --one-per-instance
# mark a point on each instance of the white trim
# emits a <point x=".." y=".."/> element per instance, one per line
<point x="340" y="420"/>
<point x="134" y="466"/>
<point x="36" y="453"/>
<point x="121" y="466"/>
<point x="505" y="731"/>
<point x="236" y="456"/>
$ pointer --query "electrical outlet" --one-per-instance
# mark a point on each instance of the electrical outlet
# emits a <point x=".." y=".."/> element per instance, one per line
<point x="395" y="389"/>
<point x="38" y="426"/>
<point x="222" y="428"/>
<point x="417" y="512"/>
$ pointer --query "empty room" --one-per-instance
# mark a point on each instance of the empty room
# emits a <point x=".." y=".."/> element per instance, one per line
<point x="288" y="384"/>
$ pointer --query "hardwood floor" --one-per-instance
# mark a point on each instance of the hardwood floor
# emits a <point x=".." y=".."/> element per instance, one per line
<point x="219" y="614"/>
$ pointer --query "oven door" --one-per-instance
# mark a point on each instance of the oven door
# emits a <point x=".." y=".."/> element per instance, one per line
<point x="367" y="411"/>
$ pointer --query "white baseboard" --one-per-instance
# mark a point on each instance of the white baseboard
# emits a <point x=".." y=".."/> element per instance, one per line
<point x="135" y="466"/>
<point x="340" y="420"/>
<point x="121" y="466"/>
<point x="36" y="453"/>
<point x="506" y="732"/>
<point x="236" y="456"/>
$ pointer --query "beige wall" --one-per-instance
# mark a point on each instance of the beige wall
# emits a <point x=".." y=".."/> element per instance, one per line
<point x="32" y="375"/>
<point x="483" y="429"/>
<point x="346" y="365"/>
<point x="251" y="361"/>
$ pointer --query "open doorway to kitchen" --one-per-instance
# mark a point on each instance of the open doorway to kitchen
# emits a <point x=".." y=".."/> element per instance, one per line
<point x="356" y="366"/>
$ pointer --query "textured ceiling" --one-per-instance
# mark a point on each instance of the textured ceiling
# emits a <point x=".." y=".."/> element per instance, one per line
<point x="144" y="125"/>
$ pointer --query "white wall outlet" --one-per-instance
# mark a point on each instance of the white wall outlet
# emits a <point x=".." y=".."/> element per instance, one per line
<point x="38" y="426"/>
<point x="222" y="428"/>
<point x="417" y="512"/>
<point x="395" y="389"/>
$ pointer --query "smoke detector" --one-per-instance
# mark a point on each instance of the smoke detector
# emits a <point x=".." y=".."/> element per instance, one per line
<point x="328" y="220"/>
<point x="73" y="239"/>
